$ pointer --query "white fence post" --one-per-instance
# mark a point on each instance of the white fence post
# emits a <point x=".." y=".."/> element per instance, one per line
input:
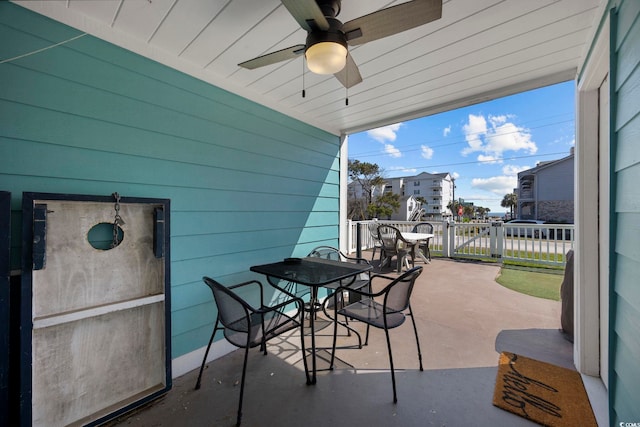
<point x="496" y="239"/>
<point x="448" y="239"/>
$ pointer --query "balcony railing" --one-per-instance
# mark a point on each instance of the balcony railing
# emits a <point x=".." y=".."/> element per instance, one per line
<point x="544" y="244"/>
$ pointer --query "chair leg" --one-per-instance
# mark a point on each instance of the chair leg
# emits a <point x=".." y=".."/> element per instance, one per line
<point x="415" y="330"/>
<point x="244" y="372"/>
<point x="335" y="333"/>
<point x="393" y="375"/>
<point x="366" y="341"/>
<point x="383" y="258"/>
<point x="206" y="353"/>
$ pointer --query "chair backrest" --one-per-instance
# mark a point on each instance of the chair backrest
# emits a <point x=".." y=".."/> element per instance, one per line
<point x="398" y="292"/>
<point x="373" y="229"/>
<point x="233" y="311"/>
<point x="388" y="236"/>
<point x="423" y="227"/>
<point x="329" y="252"/>
<point x="326" y="252"/>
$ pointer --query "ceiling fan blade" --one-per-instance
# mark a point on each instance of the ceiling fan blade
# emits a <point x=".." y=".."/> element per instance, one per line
<point x="274" y="57"/>
<point x="306" y="11"/>
<point x="392" y="20"/>
<point x="350" y="75"/>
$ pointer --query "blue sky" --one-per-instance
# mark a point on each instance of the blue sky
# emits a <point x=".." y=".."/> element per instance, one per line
<point x="483" y="146"/>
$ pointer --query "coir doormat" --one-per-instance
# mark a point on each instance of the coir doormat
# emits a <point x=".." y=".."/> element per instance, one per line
<point x="541" y="392"/>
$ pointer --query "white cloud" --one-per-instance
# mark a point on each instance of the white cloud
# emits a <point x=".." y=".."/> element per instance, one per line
<point x="498" y="120"/>
<point x="446" y="131"/>
<point x="455" y="175"/>
<point x="513" y="170"/>
<point x="494" y="138"/>
<point x="427" y="152"/>
<point x="473" y="130"/>
<point x="391" y="150"/>
<point x="385" y="133"/>
<point x="499" y="185"/>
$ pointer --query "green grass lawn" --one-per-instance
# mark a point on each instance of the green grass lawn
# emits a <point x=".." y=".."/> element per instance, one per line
<point x="534" y="283"/>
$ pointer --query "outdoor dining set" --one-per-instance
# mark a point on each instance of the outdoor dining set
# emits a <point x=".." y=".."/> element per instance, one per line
<point x="351" y="292"/>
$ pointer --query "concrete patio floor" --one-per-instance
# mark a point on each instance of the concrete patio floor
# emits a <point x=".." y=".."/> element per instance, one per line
<point x="464" y="319"/>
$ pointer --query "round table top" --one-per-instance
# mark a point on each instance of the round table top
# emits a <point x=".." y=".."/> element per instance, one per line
<point x="417" y="236"/>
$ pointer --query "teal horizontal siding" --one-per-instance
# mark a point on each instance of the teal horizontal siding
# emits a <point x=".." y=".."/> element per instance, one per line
<point x="627" y="153"/>
<point x="203" y="222"/>
<point x="241" y="242"/>
<point x="247" y="184"/>
<point x="624" y="378"/>
<point x="143" y="170"/>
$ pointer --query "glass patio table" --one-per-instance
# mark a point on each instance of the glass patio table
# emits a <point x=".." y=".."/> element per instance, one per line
<point x="314" y="273"/>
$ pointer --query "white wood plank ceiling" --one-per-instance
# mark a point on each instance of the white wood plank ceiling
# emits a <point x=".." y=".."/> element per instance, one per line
<point x="478" y="50"/>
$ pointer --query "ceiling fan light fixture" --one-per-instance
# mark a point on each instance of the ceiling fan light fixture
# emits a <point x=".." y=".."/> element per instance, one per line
<point x="326" y="57"/>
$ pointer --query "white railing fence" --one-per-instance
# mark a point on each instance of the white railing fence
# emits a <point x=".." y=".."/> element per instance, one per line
<point x="544" y="244"/>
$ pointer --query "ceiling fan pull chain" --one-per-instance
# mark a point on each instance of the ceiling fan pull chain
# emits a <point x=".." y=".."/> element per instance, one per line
<point x="346" y="88"/>
<point x="304" y="93"/>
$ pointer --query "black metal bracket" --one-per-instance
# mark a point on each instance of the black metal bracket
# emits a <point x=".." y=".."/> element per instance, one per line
<point x="158" y="232"/>
<point x="39" y="236"/>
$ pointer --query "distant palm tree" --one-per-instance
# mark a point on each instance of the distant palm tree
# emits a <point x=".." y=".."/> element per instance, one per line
<point x="482" y="212"/>
<point x="509" y="201"/>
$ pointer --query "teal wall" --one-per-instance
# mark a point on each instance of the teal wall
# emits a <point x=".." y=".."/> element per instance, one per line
<point x="247" y="185"/>
<point x="624" y="384"/>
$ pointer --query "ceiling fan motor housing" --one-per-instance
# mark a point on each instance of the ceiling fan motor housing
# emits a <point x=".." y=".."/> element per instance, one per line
<point x="334" y="34"/>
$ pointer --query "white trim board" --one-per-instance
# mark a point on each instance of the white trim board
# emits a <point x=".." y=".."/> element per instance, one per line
<point x="188" y="362"/>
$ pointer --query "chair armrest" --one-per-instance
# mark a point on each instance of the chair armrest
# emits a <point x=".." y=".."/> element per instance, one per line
<point x="247" y="283"/>
<point x="358" y="291"/>
<point x="356" y="259"/>
<point x="369" y="294"/>
<point x="382" y="276"/>
<point x="402" y="239"/>
<point x="250" y="282"/>
<point x="267" y="308"/>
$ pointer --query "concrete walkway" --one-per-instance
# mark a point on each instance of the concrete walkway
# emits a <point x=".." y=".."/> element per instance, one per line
<point x="464" y="318"/>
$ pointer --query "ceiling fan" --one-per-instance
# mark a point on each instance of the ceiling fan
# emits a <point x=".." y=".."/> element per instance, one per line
<point x="327" y="38"/>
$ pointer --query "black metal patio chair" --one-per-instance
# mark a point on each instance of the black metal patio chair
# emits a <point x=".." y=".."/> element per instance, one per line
<point x="384" y="309"/>
<point x="246" y="326"/>
<point x="360" y="282"/>
<point x="424" y="227"/>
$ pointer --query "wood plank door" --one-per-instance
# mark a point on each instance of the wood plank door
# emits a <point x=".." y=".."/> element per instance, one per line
<point x="98" y="306"/>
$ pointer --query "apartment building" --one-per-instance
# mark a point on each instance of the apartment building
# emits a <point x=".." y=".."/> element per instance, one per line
<point x="545" y="192"/>
<point x="435" y="189"/>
